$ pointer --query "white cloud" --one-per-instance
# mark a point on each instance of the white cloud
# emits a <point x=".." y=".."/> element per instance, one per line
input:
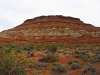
<point x="14" y="12"/>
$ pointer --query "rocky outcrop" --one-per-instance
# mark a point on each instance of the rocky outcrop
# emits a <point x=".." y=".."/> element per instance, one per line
<point x="52" y="30"/>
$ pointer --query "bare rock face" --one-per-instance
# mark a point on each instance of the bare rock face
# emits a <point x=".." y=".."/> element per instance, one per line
<point x="52" y="30"/>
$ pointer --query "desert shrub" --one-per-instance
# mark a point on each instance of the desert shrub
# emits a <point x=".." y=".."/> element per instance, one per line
<point x="48" y="58"/>
<point x="85" y="58"/>
<point x="52" y="48"/>
<point x="56" y="64"/>
<point x="75" y="66"/>
<point x="98" y="57"/>
<point x="76" y="52"/>
<point x="12" y="46"/>
<point x="39" y="47"/>
<point x="40" y="64"/>
<point x="36" y="73"/>
<point x="30" y="54"/>
<point x="97" y="52"/>
<point x="18" y="50"/>
<point x="57" y="68"/>
<point x="8" y="50"/>
<point x="73" y="61"/>
<point x="64" y="53"/>
<point x="28" y="48"/>
<point x="93" y="59"/>
<point x="31" y="65"/>
<point x="82" y="55"/>
<point x="0" y="47"/>
<point x="12" y="65"/>
<point x="90" y="70"/>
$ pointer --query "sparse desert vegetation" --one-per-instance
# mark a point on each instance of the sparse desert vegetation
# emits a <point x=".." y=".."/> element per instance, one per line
<point x="49" y="59"/>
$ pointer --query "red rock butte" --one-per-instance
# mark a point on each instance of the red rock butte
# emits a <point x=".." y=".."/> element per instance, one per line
<point x="53" y="29"/>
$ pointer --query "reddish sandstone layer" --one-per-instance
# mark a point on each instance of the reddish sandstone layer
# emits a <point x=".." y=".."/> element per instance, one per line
<point x="52" y="30"/>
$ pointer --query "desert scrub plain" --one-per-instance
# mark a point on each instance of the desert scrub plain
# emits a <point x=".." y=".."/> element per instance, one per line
<point x="49" y="59"/>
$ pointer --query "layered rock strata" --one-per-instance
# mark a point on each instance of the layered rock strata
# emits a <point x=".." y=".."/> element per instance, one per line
<point x="52" y="30"/>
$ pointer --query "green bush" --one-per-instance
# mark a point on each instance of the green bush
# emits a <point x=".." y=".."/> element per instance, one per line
<point x="82" y="55"/>
<point x="85" y="58"/>
<point x="93" y="59"/>
<point x="48" y="58"/>
<point x="40" y="64"/>
<point x="39" y="47"/>
<point x="75" y="66"/>
<point x="57" y="68"/>
<point x="10" y="64"/>
<point x="90" y="70"/>
<point x="28" y="48"/>
<point x="98" y="58"/>
<point x="31" y="65"/>
<point x="52" y="48"/>
<point x="73" y="61"/>
<point x="18" y="50"/>
<point x="0" y="47"/>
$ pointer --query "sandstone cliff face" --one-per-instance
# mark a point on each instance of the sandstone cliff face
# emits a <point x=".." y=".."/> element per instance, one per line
<point x="52" y="30"/>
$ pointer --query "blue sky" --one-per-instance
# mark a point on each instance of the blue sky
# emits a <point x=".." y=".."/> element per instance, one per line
<point x="14" y="12"/>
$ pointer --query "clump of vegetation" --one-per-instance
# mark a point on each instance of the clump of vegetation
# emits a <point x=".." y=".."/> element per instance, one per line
<point x="30" y="54"/>
<point x="36" y="73"/>
<point x="12" y="65"/>
<point x="52" y="48"/>
<point x="40" y="64"/>
<point x="93" y="59"/>
<point x="91" y="70"/>
<point x="73" y="61"/>
<point x="48" y="58"/>
<point x="64" y="53"/>
<point x="0" y="47"/>
<point x="28" y="48"/>
<point x="85" y="58"/>
<point x="98" y="58"/>
<point x="18" y="50"/>
<point x="82" y="55"/>
<point x="39" y="47"/>
<point x="31" y="65"/>
<point x="75" y="66"/>
<point x="57" y="68"/>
